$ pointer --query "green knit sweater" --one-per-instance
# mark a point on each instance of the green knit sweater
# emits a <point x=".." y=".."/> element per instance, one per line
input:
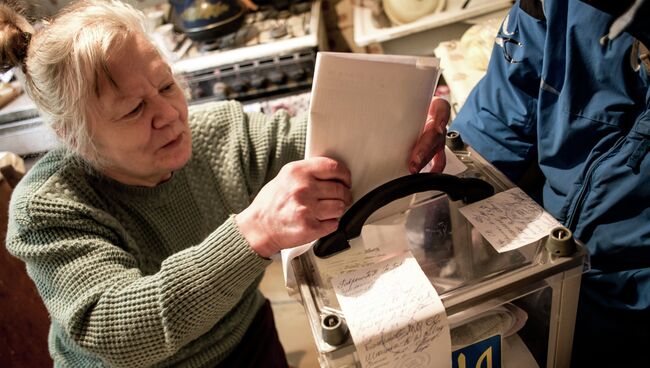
<point x="135" y="276"/>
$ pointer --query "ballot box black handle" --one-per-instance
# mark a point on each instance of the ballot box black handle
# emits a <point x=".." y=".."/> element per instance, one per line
<point x="467" y="189"/>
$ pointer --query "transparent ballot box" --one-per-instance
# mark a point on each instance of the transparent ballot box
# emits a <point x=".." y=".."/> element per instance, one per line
<point x="511" y="309"/>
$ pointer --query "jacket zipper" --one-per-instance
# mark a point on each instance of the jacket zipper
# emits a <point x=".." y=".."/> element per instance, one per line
<point x="573" y="217"/>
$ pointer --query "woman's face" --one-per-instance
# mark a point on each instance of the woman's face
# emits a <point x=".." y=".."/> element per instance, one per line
<point x="140" y="128"/>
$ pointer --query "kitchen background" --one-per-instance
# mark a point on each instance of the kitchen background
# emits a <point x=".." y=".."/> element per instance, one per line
<point x="262" y="53"/>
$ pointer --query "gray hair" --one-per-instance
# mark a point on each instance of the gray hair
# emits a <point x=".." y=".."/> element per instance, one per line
<point x="65" y="60"/>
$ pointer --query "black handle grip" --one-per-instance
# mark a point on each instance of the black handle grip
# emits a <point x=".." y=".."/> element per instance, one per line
<point x="467" y="189"/>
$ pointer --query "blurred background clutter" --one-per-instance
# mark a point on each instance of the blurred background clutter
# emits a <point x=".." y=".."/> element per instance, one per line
<point x="262" y="52"/>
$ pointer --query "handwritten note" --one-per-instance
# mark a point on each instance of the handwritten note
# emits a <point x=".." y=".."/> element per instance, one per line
<point x="378" y="241"/>
<point x="509" y="220"/>
<point x="395" y="316"/>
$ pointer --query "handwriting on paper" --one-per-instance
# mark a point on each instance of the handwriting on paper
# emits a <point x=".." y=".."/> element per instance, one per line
<point x="395" y="315"/>
<point x="377" y="242"/>
<point x="509" y="220"/>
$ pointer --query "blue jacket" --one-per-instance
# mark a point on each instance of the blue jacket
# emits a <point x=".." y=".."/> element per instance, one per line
<point x="560" y="95"/>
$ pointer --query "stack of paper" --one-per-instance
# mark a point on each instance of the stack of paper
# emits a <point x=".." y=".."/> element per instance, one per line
<point x="367" y="111"/>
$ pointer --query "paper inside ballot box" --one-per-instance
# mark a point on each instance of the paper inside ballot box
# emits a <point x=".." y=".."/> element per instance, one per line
<point x="367" y="111"/>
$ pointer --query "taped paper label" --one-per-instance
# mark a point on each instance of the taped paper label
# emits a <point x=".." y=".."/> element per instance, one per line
<point x="394" y="314"/>
<point x="509" y="220"/>
<point x="378" y="242"/>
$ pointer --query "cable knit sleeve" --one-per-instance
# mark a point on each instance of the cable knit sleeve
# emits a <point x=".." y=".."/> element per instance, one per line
<point x="135" y="277"/>
<point x="97" y="294"/>
<point x="254" y="146"/>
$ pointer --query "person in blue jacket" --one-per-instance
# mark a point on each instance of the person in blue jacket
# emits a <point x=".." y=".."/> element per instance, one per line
<point x="566" y="94"/>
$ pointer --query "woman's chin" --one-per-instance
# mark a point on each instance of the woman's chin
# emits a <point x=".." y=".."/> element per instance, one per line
<point x="178" y="160"/>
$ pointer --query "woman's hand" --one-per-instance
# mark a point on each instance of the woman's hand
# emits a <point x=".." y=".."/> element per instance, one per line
<point x="301" y="204"/>
<point x="431" y="143"/>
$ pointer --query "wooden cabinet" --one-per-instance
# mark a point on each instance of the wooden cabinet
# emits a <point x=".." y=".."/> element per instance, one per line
<point x="24" y="322"/>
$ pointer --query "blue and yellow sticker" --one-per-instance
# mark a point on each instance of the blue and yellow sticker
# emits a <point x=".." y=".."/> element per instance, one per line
<point x="482" y="354"/>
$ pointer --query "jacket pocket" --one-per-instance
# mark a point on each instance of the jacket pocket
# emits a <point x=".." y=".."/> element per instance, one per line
<point x="640" y="137"/>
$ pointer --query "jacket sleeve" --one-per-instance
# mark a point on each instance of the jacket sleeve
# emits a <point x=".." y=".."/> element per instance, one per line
<point x="499" y="117"/>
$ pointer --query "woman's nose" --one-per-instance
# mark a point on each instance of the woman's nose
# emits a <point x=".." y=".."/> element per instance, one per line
<point x="164" y="113"/>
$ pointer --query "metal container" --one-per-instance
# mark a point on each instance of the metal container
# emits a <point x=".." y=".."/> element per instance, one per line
<point x="208" y="19"/>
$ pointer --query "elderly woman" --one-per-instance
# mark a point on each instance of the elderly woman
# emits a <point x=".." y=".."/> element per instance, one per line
<point x="148" y="232"/>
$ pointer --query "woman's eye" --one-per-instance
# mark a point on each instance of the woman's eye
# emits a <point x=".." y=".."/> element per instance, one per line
<point x="167" y="87"/>
<point x="135" y="110"/>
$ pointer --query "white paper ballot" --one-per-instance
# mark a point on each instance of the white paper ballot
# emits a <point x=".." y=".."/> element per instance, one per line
<point x="509" y="220"/>
<point x="395" y="316"/>
<point x="367" y="111"/>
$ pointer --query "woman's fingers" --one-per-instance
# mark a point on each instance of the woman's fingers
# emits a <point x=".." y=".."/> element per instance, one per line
<point x="329" y="209"/>
<point x="324" y="168"/>
<point x="439" y="112"/>
<point x="301" y="204"/>
<point x="439" y="161"/>
<point x="333" y="190"/>
<point x="431" y="140"/>
<point x="429" y="144"/>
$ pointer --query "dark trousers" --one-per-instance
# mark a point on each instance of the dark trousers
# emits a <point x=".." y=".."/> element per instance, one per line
<point x="260" y="346"/>
<point x="610" y="338"/>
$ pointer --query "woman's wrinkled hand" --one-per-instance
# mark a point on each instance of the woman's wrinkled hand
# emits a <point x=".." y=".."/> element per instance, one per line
<point x="430" y="146"/>
<point x="302" y="203"/>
